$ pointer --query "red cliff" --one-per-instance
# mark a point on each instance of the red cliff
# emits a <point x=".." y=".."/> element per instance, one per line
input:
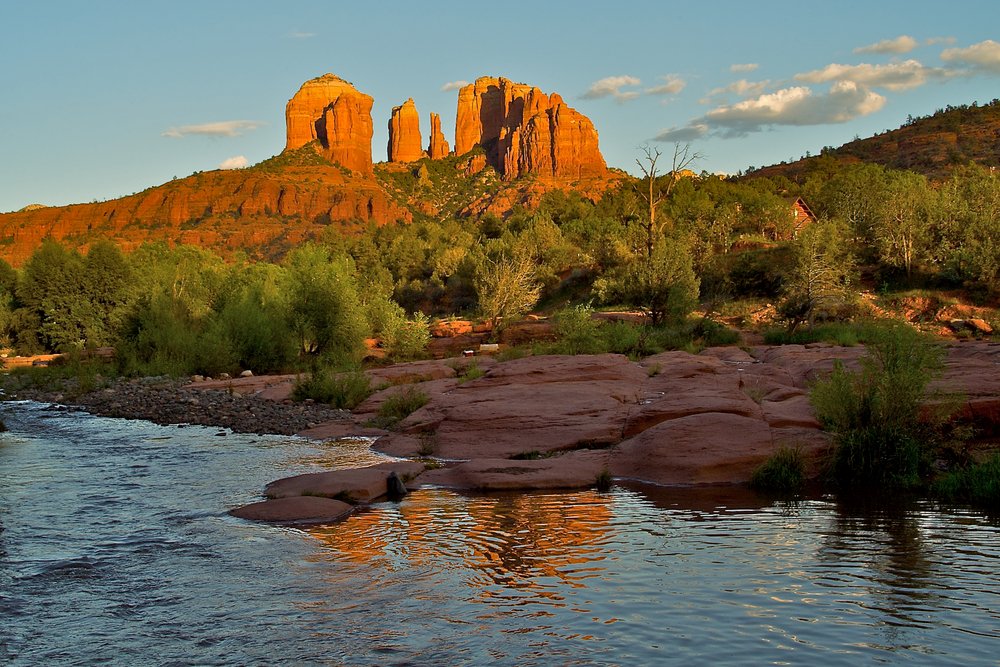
<point x="438" y="147"/>
<point x="404" y="133"/>
<point x="332" y="111"/>
<point x="524" y="131"/>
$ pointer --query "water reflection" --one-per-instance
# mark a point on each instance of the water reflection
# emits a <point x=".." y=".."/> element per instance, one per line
<point x="508" y="541"/>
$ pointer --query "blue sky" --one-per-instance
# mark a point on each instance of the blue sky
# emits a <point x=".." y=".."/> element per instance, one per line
<point x="105" y="98"/>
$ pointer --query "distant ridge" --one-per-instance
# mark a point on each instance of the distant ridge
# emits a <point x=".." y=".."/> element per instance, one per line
<point x="931" y="145"/>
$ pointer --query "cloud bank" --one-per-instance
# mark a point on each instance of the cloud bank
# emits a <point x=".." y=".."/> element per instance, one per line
<point x="226" y="128"/>
<point x="611" y="86"/>
<point x="897" y="45"/>
<point x="454" y="85"/>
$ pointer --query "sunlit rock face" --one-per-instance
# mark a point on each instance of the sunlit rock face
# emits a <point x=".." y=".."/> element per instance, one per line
<point x="332" y="111"/>
<point x="404" y="133"/>
<point x="524" y="131"/>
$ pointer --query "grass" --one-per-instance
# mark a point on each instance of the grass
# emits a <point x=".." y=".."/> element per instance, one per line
<point x="845" y="334"/>
<point x="977" y="484"/>
<point x="341" y="390"/>
<point x="603" y="480"/>
<point x="470" y="372"/>
<point x="782" y="472"/>
<point x="398" y="407"/>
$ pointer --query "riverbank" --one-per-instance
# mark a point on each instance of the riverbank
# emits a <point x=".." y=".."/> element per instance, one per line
<point x="548" y="422"/>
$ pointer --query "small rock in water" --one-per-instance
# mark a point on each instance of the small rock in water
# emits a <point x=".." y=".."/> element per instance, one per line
<point x="246" y="374"/>
<point x="394" y="487"/>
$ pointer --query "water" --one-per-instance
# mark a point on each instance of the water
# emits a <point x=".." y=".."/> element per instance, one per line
<point x="115" y="549"/>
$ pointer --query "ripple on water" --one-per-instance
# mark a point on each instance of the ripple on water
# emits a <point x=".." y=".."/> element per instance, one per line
<point x="115" y="548"/>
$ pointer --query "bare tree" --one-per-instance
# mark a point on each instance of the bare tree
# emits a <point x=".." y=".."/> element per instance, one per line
<point x="653" y="193"/>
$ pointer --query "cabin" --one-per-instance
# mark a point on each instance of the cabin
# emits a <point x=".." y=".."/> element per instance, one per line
<point x="802" y="215"/>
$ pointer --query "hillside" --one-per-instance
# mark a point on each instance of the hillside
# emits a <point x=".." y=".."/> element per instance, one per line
<point x="326" y="177"/>
<point x="931" y="145"/>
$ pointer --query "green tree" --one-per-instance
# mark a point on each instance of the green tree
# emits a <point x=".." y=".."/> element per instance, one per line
<point x="326" y="313"/>
<point x="821" y="276"/>
<point x="664" y="285"/>
<point x="505" y="284"/>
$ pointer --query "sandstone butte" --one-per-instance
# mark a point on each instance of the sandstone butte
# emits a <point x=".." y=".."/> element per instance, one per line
<point x="268" y="208"/>
<point x="332" y="111"/>
<point x="438" y="146"/>
<point x="524" y="131"/>
<point x="551" y="422"/>
<point x="404" y="134"/>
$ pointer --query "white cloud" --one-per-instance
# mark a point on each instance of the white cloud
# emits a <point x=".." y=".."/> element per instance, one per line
<point x="893" y="76"/>
<point x="235" y="162"/>
<point x="672" y="84"/>
<point x="797" y="105"/>
<point x="743" y="67"/>
<point x="296" y="34"/>
<point x="454" y="85"/>
<point x="983" y="56"/>
<point x="611" y="86"/>
<point x="741" y="88"/>
<point x="901" y="44"/>
<point x="226" y="128"/>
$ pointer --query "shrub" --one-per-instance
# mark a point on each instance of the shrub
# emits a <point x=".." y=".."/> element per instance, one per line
<point x="782" y="472"/>
<point x="977" y="484"/>
<point x="341" y="390"/>
<point x="578" y="331"/>
<point x="399" y="406"/>
<point x="874" y="412"/>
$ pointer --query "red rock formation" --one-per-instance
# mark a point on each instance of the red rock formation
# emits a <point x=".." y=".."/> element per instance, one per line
<point x="332" y="111"/>
<point x="238" y="209"/>
<point x="524" y="131"/>
<point x="438" y="147"/>
<point x="404" y="134"/>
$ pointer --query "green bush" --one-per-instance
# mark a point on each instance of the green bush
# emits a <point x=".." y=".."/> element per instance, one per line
<point x="577" y="331"/>
<point x="783" y="472"/>
<point x="344" y="390"/>
<point x="399" y="406"/>
<point x="977" y="484"/>
<point x="874" y="412"/>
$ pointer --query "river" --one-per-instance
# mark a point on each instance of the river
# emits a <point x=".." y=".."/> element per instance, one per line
<point x="116" y="549"/>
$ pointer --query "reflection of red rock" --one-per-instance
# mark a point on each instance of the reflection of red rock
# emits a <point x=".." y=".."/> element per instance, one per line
<point x="438" y="147"/>
<point x="525" y="131"/>
<point x="330" y="110"/>
<point x="404" y="134"/>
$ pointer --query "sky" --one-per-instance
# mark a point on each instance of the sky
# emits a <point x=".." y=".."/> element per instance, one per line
<point x="105" y="98"/>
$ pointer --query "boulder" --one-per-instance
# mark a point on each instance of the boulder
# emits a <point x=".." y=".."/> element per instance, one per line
<point x="295" y="510"/>
<point x="438" y="146"/>
<point x="404" y="133"/>
<point x="333" y="112"/>
<point x="358" y="485"/>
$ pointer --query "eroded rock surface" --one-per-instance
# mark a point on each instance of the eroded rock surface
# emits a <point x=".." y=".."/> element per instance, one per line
<point x="332" y="111"/>
<point x="404" y="134"/>
<point x="524" y="131"/>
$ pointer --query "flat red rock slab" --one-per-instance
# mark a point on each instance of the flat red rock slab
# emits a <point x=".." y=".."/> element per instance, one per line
<point x="358" y="485"/>
<point x="572" y="470"/>
<point x="707" y="448"/>
<point x="295" y="510"/>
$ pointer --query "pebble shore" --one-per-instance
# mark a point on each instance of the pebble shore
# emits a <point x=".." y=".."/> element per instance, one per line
<point x="164" y="400"/>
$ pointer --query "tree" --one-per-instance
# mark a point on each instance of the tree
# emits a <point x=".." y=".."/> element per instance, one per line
<point x="654" y="192"/>
<point x="901" y="225"/>
<point x="506" y="286"/>
<point x="821" y="275"/>
<point x="664" y="285"/>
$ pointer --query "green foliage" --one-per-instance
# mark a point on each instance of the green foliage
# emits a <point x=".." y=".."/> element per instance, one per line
<point x="874" y="412"/>
<point x="977" y="484"/>
<point x="506" y="287"/>
<point x="821" y="277"/>
<point x="662" y="285"/>
<point x="344" y="390"/>
<point x="845" y="334"/>
<point x="471" y="372"/>
<point x="782" y="472"/>
<point x="399" y="406"/>
<point x="578" y="332"/>
<point x="325" y="310"/>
